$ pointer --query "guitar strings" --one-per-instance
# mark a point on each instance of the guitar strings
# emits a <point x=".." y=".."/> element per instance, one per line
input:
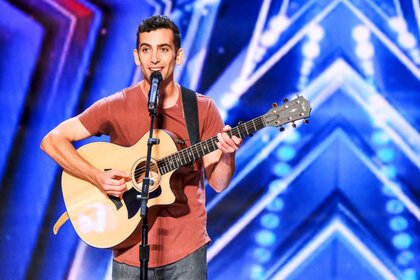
<point x="172" y="161"/>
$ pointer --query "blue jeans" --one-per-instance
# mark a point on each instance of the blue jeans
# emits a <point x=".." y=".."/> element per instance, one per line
<point x="193" y="266"/>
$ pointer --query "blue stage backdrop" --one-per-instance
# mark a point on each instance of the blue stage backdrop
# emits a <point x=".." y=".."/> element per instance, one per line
<point x="338" y="198"/>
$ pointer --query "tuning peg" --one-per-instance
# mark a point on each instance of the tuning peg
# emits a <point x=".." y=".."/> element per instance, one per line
<point x="281" y="128"/>
<point x="293" y="124"/>
<point x="306" y="121"/>
<point x="274" y="105"/>
<point x="286" y="100"/>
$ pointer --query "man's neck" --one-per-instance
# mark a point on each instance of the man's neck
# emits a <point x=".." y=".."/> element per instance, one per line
<point x="168" y="92"/>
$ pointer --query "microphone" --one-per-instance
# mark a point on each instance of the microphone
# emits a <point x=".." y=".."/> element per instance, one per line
<point x="153" y="100"/>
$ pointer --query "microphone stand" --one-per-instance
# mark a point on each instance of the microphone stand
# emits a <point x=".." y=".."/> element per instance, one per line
<point x="144" y="248"/>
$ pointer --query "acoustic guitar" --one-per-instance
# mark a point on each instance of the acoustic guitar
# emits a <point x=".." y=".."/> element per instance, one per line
<point x="105" y="221"/>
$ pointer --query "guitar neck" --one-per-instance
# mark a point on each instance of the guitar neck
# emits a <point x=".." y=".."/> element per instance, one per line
<point x="191" y="154"/>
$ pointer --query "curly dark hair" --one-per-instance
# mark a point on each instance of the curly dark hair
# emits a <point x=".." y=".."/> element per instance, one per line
<point x="158" y="22"/>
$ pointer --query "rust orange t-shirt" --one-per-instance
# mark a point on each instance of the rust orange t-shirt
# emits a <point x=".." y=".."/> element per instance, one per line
<point x="180" y="228"/>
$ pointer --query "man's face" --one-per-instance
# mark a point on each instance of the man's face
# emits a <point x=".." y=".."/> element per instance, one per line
<point x="157" y="53"/>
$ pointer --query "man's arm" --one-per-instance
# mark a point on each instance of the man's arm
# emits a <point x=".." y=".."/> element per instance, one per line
<point x="58" y="145"/>
<point x="220" y="165"/>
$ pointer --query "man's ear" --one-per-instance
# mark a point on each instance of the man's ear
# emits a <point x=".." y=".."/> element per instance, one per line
<point x="179" y="57"/>
<point x="136" y="57"/>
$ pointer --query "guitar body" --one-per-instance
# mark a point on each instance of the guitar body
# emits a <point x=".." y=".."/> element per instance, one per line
<point x="103" y="221"/>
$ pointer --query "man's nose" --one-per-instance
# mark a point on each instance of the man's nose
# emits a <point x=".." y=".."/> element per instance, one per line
<point x="155" y="57"/>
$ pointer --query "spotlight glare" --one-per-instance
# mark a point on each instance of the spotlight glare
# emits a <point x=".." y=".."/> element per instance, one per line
<point x="316" y="33"/>
<point x="410" y="274"/>
<point x="269" y="38"/>
<point x="305" y="70"/>
<point x="282" y="169"/>
<point x="265" y="138"/>
<point x="398" y="223"/>
<point x="367" y="64"/>
<point x="209" y="2"/>
<point x="223" y="114"/>
<point x="407" y="40"/>
<point x="386" y="154"/>
<point x="398" y="24"/>
<point x="257" y="272"/>
<point x="361" y="33"/>
<point x="262" y="255"/>
<point x="405" y="258"/>
<point x="259" y="53"/>
<point x="237" y="87"/>
<point x="276" y="185"/>
<point x="265" y="238"/>
<point x="308" y="63"/>
<point x="279" y="23"/>
<point x="381" y="138"/>
<point x="388" y="191"/>
<point x="270" y="221"/>
<point x="365" y="50"/>
<point x="301" y="86"/>
<point x="402" y="241"/>
<point x="311" y="50"/>
<point x="389" y="171"/>
<point x="368" y="67"/>
<point x="415" y="54"/>
<point x="370" y="80"/>
<point x="394" y="206"/>
<point x="292" y="137"/>
<point x="228" y="101"/>
<point x="276" y="205"/>
<point x="303" y="80"/>
<point x="378" y="104"/>
<point x="286" y="153"/>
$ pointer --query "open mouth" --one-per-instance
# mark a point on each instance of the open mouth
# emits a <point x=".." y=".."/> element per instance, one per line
<point x="159" y="69"/>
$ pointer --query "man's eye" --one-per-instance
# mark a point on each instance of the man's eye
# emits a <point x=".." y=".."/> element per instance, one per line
<point x="145" y="50"/>
<point x="164" y="49"/>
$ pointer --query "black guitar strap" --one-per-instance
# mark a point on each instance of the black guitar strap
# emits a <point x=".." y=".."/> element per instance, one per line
<point x="190" y="108"/>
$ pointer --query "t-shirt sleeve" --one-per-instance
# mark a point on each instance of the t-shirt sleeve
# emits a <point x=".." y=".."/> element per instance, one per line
<point x="96" y="118"/>
<point x="212" y="123"/>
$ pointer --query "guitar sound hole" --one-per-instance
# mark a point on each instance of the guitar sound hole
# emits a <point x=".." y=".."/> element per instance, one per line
<point x="153" y="174"/>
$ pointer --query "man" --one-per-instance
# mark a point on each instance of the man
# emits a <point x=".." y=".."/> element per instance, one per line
<point x="178" y="238"/>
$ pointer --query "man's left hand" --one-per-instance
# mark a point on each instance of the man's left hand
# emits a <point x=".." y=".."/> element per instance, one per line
<point x="227" y="144"/>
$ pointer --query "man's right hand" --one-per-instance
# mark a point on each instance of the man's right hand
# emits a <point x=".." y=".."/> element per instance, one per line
<point x="113" y="182"/>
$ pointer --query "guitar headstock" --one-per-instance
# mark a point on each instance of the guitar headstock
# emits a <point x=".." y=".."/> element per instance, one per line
<point x="296" y="109"/>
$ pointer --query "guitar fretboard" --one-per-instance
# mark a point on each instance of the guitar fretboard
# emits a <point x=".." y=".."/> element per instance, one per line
<point x="191" y="154"/>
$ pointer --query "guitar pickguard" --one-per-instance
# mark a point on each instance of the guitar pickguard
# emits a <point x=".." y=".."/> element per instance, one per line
<point x="131" y="201"/>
